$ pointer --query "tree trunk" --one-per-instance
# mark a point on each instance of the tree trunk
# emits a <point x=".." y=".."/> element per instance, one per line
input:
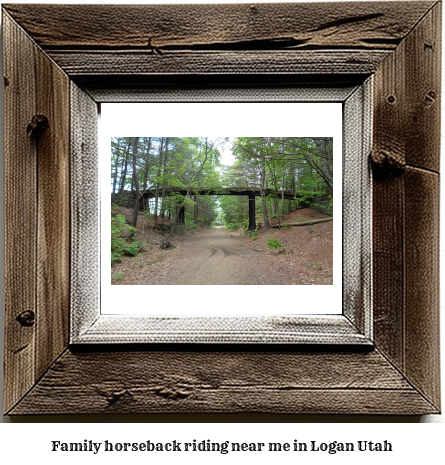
<point x="124" y="171"/>
<point x="282" y="181"/>
<point x="147" y="164"/>
<point x="136" y="184"/>
<point x="263" y="193"/>
<point x="164" y="164"/>
<point x="158" y="174"/>
<point x="307" y="223"/>
<point x="116" y="165"/>
<point x="189" y="189"/>
<point x="196" y="209"/>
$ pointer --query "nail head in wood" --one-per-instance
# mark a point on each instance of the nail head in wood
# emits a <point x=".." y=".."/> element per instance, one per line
<point x="37" y="126"/>
<point x="26" y="318"/>
<point x="430" y="97"/>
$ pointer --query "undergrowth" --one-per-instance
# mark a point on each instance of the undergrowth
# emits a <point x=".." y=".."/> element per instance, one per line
<point x="122" y="239"/>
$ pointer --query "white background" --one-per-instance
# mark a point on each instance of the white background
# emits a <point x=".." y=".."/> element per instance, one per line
<point x="213" y="120"/>
<point x="414" y="443"/>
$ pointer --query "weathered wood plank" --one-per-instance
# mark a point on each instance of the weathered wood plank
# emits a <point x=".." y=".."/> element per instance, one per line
<point x="388" y="268"/>
<point x="366" y="25"/>
<point x="20" y="213"/>
<point x="112" y="329"/>
<point x="423" y="92"/>
<point x="422" y="281"/>
<point x="53" y="229"/>
<point x="78" y="62"/>
<point x="406" y="131"/>
<point x="388" y="200"/>
<point x="356" y="209"/>
<point x="183" y="381"/>
<point x="220" y="88"/>
<point x="85" y="204"/>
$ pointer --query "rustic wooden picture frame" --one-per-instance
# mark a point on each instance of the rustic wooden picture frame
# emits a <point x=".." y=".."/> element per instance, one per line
<point x="74" y="57"/>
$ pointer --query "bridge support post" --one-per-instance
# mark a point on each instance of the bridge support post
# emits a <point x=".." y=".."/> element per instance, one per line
<point x="180" y="218"/>
<point x="252" y="223"/>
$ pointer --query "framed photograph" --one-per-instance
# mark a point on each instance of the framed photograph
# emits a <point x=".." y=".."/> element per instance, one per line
<point x="341" y="109"/>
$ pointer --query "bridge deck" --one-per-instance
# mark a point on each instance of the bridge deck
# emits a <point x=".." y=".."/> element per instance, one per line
<point x="251" y="192"/>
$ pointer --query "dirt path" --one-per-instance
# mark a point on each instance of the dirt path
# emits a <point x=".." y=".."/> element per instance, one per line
<point x="217" y="256"/>
<point x="214" y="257"/>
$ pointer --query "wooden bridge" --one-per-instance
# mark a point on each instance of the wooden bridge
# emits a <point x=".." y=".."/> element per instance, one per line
<point x="250" y="192"/>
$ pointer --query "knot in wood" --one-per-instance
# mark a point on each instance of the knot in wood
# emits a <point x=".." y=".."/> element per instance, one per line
<point x="37" y="126"/>
<point x="387" y="163"/>
<point x="172" y="393"/>
<point x="112" y="394"/>
<point x="115" y="396"/>
<point x="26" y="318"/>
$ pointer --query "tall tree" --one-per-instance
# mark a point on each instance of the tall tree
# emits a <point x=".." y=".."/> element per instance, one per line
<point x="158" y="178"/>
<point x="136" y="184"/>
<point x="124" y="170"/>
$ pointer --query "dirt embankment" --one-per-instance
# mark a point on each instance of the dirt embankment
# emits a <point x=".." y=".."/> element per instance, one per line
<point x="217" y="256"/>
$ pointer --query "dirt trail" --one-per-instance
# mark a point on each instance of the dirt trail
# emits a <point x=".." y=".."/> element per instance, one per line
<point x="213" y="257"/>
<point x="217" y="256"/>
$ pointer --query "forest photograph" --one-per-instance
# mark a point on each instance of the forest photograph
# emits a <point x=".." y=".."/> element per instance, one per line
<point x="222" y="210"/>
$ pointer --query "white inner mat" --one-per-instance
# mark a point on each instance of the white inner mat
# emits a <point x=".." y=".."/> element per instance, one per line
<point x="213" y="120"/>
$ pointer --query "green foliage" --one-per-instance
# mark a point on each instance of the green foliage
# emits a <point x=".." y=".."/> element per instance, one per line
<point x="285" y="225"/>
<point x="301" y="165"/>
<point x="190" y="225"/>
<point x="117" y="276"/>
<point x="324" y="206"/>
<point x="122" y="239"/>
<point x="233" y="226"/>
<point x="274" y="243"/>
<point x="234" y="209"/>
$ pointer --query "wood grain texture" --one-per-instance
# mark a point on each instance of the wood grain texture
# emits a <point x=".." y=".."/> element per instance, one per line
<point x="53" y="228"/>
<point x="423" y="91"/>
<point x="388" y="268"/>
<point x="375" y="25"/>
<point x="422" y="364"/>
<point x="85" y="210"/>
<point x="37" y="216"/>
<point x="356" y="209"/>
<point x="219" y="88"/>
<point x="407" y="114"/>
<point x="223" y="382"/>
<point x="406" y="132"/>
<point x="397" y="41"/>
<point x="79" y="63"/>
<point x="112" y="329"/>
<point x="389" y="140"/>
<point x="20" y="212"/>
